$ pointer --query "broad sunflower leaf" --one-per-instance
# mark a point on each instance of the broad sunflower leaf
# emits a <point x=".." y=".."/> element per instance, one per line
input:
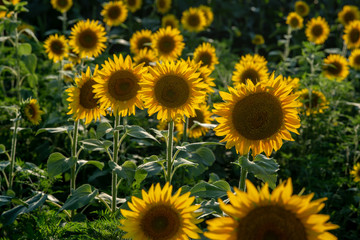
<point x="208" y="190"/>
<point x="80" y="197"/>
<point x="192" y="147"/>
<point x="64" y="129"/>
<point x="140" y="175"/>
<point x="99" y="165"/>
<point x="24" y="49"/>
<point x="102" y="129"/>
<point x="4" y="200"/>
<point x="32" y="204"/>
<point x="96" y="145"/>
<point x="58" y="163"/>
<point x="153" y="165"/>
<point x="29" y="62"/>
<point x="139" y="132"/>
<point x="4" y="164"/>
<point x="126" y="170"/>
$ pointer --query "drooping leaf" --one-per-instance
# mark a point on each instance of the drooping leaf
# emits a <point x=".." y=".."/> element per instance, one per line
<point x="208" y="190"/>
<point x="80" y="197"/>
<point x="102" y="129"/>
<point x="139" y="132"/>
<point x="24" y="49"/>
<point x="96" y="145"/>
<point x="125" y="171"/>
<point x="58" y="163"/>
<point x="2" y="148"/>
<point x="140" y="175"/>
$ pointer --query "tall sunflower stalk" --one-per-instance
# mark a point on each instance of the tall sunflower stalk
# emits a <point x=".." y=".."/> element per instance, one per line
<point x="13" y="149"/>
<point x="74" y="143"/>
<point x="169" y="151"/>
<point x="115" y="159"/>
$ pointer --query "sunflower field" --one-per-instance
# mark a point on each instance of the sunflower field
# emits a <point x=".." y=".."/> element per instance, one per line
<point x="179" y="119"/>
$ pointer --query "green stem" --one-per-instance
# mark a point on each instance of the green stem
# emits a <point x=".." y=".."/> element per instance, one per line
<point x="169" y="150"/>
<point x="115" y="159"/>
<point x="18" y="77"/>
<point x="13" y="151"/>
<point x="186" y="126"/>
<point x="73" y="154"/>
<point x="243" y="175"/>
<point x="64" y="20"/>
<point x="287" y="43"/>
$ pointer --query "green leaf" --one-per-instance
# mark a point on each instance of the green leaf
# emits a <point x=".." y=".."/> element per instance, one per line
<point x="30" y="33"/>
<point x="24" y="49"/>
<point x="4" y="200"/>
<point x="33" y="203"/>
<point x="64" y="129"/>
<point x="206" y="156"/>
<point x="80" y="197"/>
<point x="192" y="147"/>
<point x="183" y="162"/>
<point x="30" y="62"/>
<point x="2" y="148"/>
<point x="107" y="198"/>
<point x="262" y="167"/>
<point x="102" y="129"/>
<point x="99" y="165"/>
<point x="139" y="132"/>
<point x="58" y="163"/>
<point x="208" y="190"/>
<point x="125" y="171"/>
<point x="152" y="164"/>
<point x="140" y="175"/>
<point x="209" y="207"/>
<point x="96" y="145"/>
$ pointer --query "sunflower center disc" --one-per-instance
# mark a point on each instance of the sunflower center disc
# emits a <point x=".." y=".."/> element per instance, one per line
<point x="114" y="12"/>
<point x="160" y="222"/>
<point x="166" y="44"/>
<point x="62" y="3"/>
<point x="251" y="74"/>
<point x="271" y="223"/>
<point x="294" y="22"/>
<point x="194" y="20"/>
<point x="172" y="91"/>
<point x="205" y="57"/>
<point x="357" y="60"/>
<point x="199" y="118"/>
<point x="169" y="23"/>
<point x="314" y="100"/>
<point x="258" y="116"/>
<point x="317" y="30"/>
<point x="348" y="17"/>
<point x="88" y="39"/>
<point x="335" y="68"/>
<point x="354" y="35"/>
<point x="161" y="4"/>
<point x="87" y="99"/>
<point x="144" y="60"/>
<point x="300" y="9"/>
<point x="131" y="3"/>
<point x="31" y="110"/>
<point x="142" y="43"/>
<point x="123" y="85"/>
<point x="57" y="47"/>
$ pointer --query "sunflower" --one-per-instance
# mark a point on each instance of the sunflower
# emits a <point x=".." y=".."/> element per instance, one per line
<point x="280" y="215"/>
<point x="257" y="116"/>
<point x="169" y="20"/>
<point x="168" y="43"/>
<point x="356" y="172"/>
<point x="312" y="103"/>
<point x="3" y="13"/>
<point x="87" y="38"/>
<point x="56" y="47"/>
<point x="208" y="82"/>
<point x="256" y="59"/>
<point x="302" y="8"/>
<point x="133" y="5"/>
<point x="348" y="14"/>
<point x="114" y="13"/>
<point x="82" y="100"/>
<point x="140" y="40"/>
<point x="317" y="30"/>
<point x="294" y="20"/>
<point x="335" y="67"/>
<point x="352" y="34"/>
<point x="118" y="85"/>
<point x="293" y="82"/>
<point x="145" y="56"/>
<point x="206" y="53"/>
<point x="203" y="115"/>
<point x="354" y="59"/>
<point x="159" y="215"/>
<point x="258" y="39"/>
<point x="208" y="14"/>
<point x="30" y="110"/>
<point x="249" y="70"/>
<point x="62" y="5"/>
<point x="193" y="20"/>
<point x="163" y="6"/>
<point x="74" y="58"/>
<point x="69" y="68"/>
<point x="172" y="89"/>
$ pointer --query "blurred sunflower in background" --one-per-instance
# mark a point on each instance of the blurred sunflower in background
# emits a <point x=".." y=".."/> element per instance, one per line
<point x="302" y="8"/>
<point x="114" y="13"/>
<point x="352" y="34"/>
<point x="258" y="39"/>
<point x="140" y="40"/>
<point x="3" y="13"/>
<point x="202" y="115"/>
<point x="62" y="5"/>
<point x="168" y="43"/>
<point x="256" y="59"/>
<point x="161" y="215"/>
<point x="354" y="59"/>
<point x="348" y="14"/>
<point x="317" y="30"/>
<point x="56" y="47"/>
<point x="335" y="67"/>
<point x="169" y="20"/>
<point x="193" y="20"/>
<point x="145" y="56"/>
<point x="208" y="14"/>
<point x="30" y="111"/>
<point x="293" y="82"/>
<point x="88" y="38"/>
<point x="257" y="116"/>
<point x="295" y="21"/>
<point x="69" y="69"/>
<point x="206" y="54"/>
<point x="248" y="71"/>
<point x="82" y="101"/>
<point x="163" y="6"/>
<point x="257" y="214"/>
<point x="355" y="172"/>
<point x="133" y="5"/>
<point x="118" y="85"/>
<point x="172" y="89"/>
<point x="312" y="102"/>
